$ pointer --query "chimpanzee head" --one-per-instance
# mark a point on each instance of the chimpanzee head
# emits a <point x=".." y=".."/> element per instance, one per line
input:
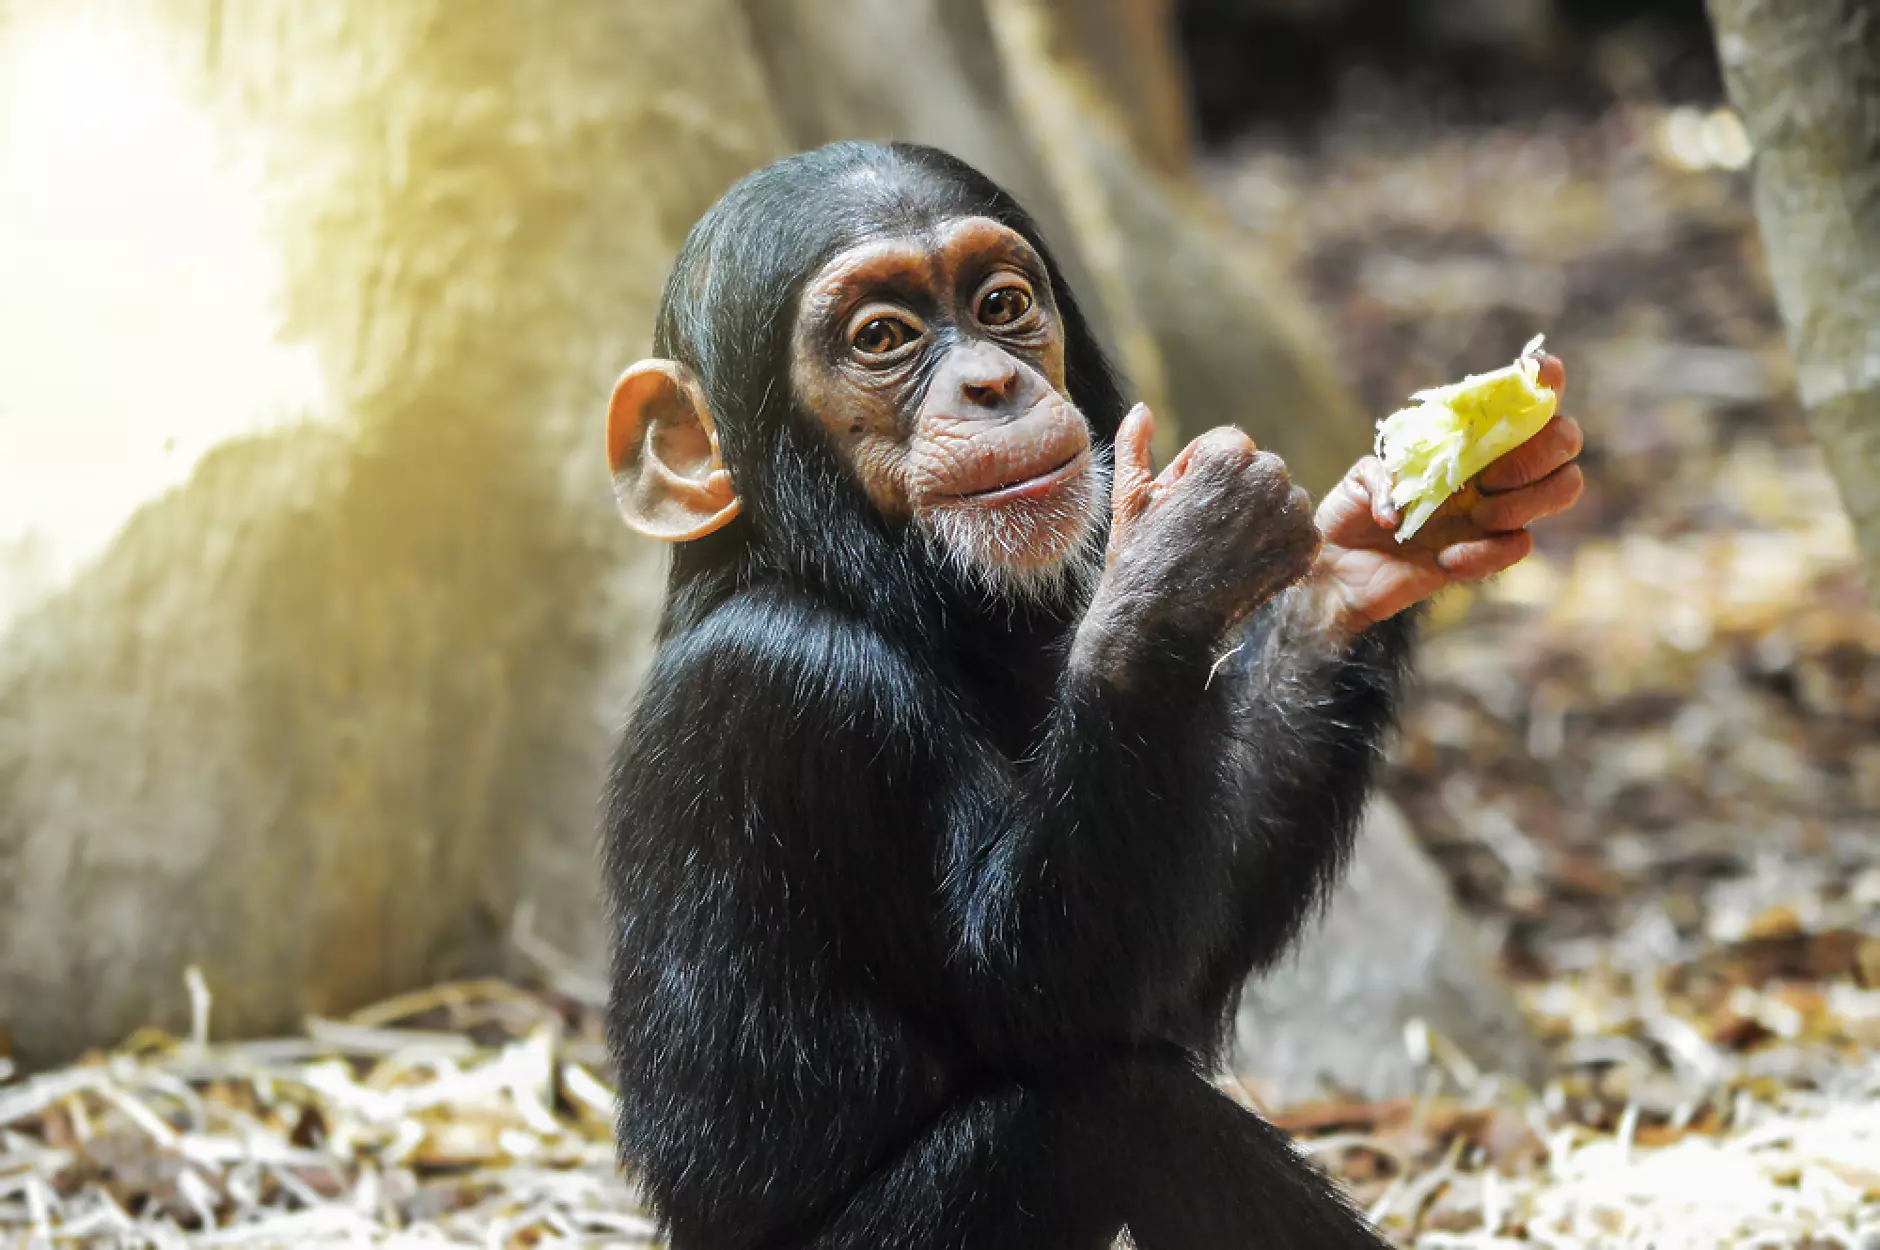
<point x="870" y="344"/>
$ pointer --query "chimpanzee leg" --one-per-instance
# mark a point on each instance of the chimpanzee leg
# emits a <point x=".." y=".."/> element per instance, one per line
<point x="1015" y="1168"/>
<point x="1215" y="1176"/>
<point x="1063" y="1165"/>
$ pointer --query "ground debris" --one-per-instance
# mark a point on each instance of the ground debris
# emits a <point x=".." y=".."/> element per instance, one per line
<point x="1649" y="757"/>
<point x="472" y="1114"/>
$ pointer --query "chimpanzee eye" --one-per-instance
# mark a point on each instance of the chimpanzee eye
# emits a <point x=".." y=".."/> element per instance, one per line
<point x="1004" y="306"/>
<point x="881" y="335"/>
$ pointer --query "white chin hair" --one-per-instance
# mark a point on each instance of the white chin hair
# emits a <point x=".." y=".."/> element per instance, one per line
<point x="1031" y="549"/>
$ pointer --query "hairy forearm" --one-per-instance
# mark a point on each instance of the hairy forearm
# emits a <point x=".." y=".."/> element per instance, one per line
<point x="1228" y="788"/>
<point x="1101" y="890"/>
<point x="1314" y="703"/>
<point x="1139" y="643"/>
<point x="1293" y="650"/>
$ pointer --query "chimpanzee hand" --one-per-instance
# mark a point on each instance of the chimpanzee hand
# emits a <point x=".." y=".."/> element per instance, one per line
<point x="1194" y="551"/>
<point x="1367" y="576"/>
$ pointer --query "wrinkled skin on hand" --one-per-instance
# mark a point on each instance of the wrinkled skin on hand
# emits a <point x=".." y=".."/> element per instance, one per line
<point x="1194" y="550"/>
<point x="1363" y="575"/>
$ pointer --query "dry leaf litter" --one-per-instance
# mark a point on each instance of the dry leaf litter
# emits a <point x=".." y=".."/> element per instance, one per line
<point x="1647" y="756"/>
<point x="1647" y="759"/>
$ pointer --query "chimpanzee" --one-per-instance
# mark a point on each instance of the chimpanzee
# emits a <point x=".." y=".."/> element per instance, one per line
<point x="977" y="766"/>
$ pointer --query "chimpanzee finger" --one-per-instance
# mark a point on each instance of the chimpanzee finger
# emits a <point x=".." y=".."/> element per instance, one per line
<point x="1558" y="442"/>
<point x="1484" y="557"/>
<point x="1375" y="481"/>
<point x="1176" y="469"/>
<point x="1172" y="472"/>
<point x="1553" y="376"/>
<point x="1518" y="509"/>
<point x="1134" y="473"/>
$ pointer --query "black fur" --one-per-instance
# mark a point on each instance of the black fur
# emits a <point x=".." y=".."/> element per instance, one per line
<point x="923" y="938"/>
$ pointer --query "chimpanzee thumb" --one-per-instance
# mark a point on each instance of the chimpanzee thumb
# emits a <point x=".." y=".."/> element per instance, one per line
<point x="1135" y="472"/>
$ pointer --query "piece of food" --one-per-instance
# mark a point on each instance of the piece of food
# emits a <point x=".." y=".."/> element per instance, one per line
<point x="1451" y="433"/>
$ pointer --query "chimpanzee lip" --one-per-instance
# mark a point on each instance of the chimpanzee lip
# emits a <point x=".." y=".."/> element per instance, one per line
<point x="1037" y="483"/>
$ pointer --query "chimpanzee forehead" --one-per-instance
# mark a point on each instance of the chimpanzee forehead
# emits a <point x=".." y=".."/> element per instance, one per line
<point x="929" y="258"/>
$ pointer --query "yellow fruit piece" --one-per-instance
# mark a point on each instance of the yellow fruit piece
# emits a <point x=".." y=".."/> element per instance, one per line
<point x="1451" y="433"/>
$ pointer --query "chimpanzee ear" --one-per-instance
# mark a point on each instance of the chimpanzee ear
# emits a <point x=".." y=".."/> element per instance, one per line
<point x="669" y="479"/>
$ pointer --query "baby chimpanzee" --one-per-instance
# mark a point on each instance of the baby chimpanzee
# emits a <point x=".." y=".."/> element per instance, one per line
<point x="979" y="765"/>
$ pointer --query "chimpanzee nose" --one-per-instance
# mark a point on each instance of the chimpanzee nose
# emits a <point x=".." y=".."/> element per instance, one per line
<point x="988" y="379"/>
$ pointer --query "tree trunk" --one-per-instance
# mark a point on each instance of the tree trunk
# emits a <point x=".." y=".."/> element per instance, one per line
<point x="1127" y="49"/>
<point x="1806" y="78"/>
<point x="322" y="719"/>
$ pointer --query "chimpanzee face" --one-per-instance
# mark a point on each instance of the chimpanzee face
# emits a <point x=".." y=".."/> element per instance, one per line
<point x="935" y="362"/>
<point x="929" y="357"/>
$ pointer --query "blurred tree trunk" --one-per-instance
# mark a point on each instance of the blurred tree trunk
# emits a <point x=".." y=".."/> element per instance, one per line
<point x="1128" y="50"/>
<point x="1806" y="78"/>
<point x="321" y="720"/>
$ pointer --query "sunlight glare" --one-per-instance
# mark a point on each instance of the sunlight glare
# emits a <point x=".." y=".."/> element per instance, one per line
<point x="138" y="296"/>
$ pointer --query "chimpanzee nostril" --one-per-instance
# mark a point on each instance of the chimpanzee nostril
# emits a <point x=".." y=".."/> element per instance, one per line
<point x="990" y="388"/>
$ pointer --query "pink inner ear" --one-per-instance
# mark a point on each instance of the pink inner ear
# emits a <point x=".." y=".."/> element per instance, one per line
<point x="654" y="413"/>
<point x="667" y="480"/>
<point x="677" y="437"/>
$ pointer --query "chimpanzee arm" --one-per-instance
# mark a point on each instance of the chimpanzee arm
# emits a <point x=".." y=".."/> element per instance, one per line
<point x="1176" y="831"/>
<point x="1088" y="885"/>
<point x="1091" y="889"/>
<point x="1313" y="711"/>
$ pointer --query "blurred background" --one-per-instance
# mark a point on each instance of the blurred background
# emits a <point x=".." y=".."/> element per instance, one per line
<point x="316" y="619"/>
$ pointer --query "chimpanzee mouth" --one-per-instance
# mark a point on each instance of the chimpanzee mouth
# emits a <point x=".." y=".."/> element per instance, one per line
<point x="1029" y="487"/>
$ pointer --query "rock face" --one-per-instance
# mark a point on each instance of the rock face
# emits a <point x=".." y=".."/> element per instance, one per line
<point x="322" y="719"/>
<point x="1392" y="949"/>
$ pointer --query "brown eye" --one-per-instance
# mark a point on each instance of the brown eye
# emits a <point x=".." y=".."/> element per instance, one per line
<point x="882" y="335"/>
<point x="1004" y="306"/>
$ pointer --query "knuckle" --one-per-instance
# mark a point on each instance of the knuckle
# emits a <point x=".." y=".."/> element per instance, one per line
<point x="1265" y="483"/>
<point x="1572" y="437"/>
<point x="1492" y="516"/>
<point x="1270" y="467"/>
<point x="1295" y="514"/>
<point x="1224" y="444"/>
